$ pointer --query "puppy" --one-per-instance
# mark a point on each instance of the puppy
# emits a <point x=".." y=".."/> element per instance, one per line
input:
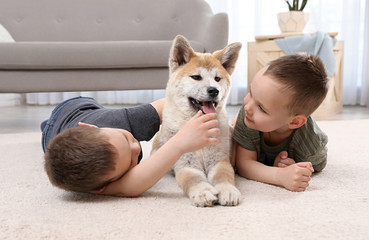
<point x="201" y="81"/>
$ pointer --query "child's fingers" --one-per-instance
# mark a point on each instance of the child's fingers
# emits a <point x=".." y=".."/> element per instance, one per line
<point x="82" y="124"/>
<point x="283" y="155"/>
<point x="204" y="117"/>
<point x="301" y="189"/>
<point x="305" y="178"/>
<point x="213" y="132"/>
<point x="211" y="124"/>
<point x="284" y="161"/>
<point x="278" y="159"/>
<point x="213" y="141"/>
<point x="306" y="165"/>
<point x="287" y="161"/>
<point x="197" y="115"/>
<point x="207" y="116"/>
<point x="280" y="164"/>
<point x="310" y="167"/>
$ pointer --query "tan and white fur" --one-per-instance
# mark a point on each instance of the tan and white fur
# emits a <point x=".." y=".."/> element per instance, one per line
<point x="196" y="79"/>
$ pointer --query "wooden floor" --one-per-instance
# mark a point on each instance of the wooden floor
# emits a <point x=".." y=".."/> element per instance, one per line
<point x="25" y="118"/>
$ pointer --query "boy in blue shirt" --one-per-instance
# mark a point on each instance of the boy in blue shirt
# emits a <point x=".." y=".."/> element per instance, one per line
<point x="89" y="148"/>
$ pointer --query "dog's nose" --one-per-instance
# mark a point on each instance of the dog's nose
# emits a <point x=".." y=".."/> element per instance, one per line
<point x="213" y="92"/>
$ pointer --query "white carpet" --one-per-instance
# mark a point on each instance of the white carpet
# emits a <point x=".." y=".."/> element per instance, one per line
<point x="335" y="206"/>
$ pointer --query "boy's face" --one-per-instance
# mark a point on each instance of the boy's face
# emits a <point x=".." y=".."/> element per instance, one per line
<point x="128" y="149"/>
<point x="266" y="104"/>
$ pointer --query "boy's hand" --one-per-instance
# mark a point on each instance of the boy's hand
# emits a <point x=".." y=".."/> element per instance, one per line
<point x="82" y="124"/>
<point x="200" y="131"/>
<point x="296" y="177"/>
<point x="282" y="160"/>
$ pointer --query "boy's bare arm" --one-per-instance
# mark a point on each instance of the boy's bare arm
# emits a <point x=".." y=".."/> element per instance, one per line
<point x="147" y="173"/>
<point x="159" y="106"/>
<point x="295" y="177"/>
<point x="195" y="134"/>
<point x="232" y="124"/>
<point x="249" y="167"/>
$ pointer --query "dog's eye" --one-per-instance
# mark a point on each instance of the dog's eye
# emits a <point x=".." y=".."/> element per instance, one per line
<point x="217" y="79"/>
<point x="196" y="77"/>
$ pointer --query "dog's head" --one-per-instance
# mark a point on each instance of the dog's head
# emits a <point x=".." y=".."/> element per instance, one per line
<point x="200" y="81"/>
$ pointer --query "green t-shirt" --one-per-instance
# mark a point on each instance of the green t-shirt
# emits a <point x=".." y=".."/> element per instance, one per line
<point x="305" y="144"/>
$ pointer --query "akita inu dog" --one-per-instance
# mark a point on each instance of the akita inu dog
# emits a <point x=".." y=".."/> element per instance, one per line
<point x="201" y="81"/>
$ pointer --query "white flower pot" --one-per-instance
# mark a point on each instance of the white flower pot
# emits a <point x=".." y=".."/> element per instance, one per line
<point x="292" y="21"/>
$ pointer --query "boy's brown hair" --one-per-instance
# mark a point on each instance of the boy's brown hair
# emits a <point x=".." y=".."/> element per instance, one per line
<point x="78" y="158"/>
<point x="305" y="76"/>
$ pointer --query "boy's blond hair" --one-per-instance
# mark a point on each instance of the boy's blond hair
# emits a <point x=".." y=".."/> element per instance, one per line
<point x="305" y="76"/>
<point x="78" y="158"/>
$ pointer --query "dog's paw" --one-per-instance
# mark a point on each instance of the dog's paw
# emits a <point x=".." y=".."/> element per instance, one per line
<point x="204" y="196"/>
<point x="228" y="194"/>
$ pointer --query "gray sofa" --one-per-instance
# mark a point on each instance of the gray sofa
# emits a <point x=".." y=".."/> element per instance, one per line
<point x="88" y="45"/>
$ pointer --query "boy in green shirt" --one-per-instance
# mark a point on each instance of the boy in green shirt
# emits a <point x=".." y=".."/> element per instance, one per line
<point x="275" y="139"/>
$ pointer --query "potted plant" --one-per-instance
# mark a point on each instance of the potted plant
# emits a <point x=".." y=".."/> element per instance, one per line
<point x="295" y="19"/>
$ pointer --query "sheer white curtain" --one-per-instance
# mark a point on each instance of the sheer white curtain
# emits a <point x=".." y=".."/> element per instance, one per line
<point x="258" y="17"/>
<point x="103" y="97"/>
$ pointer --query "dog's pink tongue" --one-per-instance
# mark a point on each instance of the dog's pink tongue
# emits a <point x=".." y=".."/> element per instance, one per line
<point x="208" y="107"/>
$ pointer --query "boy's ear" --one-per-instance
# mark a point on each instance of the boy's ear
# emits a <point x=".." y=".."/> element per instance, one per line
<point x="98" y="191"/>
<point x="297" y="121"/>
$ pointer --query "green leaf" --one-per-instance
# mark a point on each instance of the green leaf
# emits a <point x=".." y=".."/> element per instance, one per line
<point x="289" y="5"/>
<point x="303" y="5"/>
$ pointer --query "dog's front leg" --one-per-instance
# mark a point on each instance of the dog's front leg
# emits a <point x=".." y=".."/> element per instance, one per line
<point x="192" y="179"/>
<point x="221" y="175"/>
<point x="194" y="184"/>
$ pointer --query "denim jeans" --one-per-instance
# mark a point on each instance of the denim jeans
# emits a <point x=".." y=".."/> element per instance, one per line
<point x="48" y="125"/>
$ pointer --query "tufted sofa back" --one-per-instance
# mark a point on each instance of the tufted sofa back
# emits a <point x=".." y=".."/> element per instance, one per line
<point x="104" y="20"/>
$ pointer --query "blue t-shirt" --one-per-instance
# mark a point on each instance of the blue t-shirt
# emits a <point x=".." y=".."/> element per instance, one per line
<point x="142" y="121"/>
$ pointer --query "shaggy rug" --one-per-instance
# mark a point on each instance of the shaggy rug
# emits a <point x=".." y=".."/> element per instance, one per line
<point x="335" y="205"/>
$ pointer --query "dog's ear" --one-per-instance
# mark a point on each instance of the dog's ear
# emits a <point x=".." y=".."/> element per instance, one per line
<point x="228" y="56"/>
<point x="180" y="53"/>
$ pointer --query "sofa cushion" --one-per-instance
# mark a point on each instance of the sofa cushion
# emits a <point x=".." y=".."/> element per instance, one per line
<point x="87" y="55"/>
<point x="105" y="20"/>
<point x="5" y="35"/>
